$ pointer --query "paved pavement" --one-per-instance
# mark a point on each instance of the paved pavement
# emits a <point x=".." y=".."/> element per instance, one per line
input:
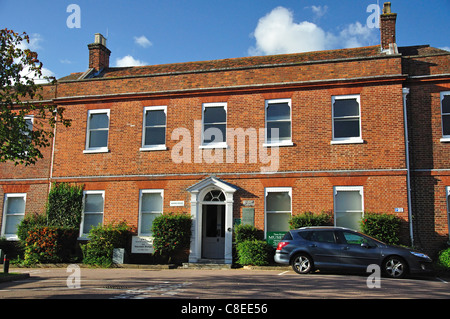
<point x="282" y="283"/>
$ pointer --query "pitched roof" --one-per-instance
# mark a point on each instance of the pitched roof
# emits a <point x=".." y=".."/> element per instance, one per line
<point x="232" y="63"/>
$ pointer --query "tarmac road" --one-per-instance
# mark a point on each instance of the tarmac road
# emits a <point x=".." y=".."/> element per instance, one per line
<point x="247" y="284"/>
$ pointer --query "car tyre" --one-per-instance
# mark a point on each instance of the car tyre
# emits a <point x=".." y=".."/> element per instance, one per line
<point x="395" y="267"/>
<point x="302" y="264"/>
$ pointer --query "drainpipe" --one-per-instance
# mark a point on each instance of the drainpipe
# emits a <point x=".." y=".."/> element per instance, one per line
<point x="405" y="92"/>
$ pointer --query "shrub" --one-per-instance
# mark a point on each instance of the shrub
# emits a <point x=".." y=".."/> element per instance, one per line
<point x="171" y="233"/>
<point x="30" y="222"/>
<point x="65" y="205"/>
<point x="444" y="258"/>
<point x="384" y="227"/>
<point x="102" y="240"/>
<point x="247" y="232"/>
<point x="49" y="244"/>
<point x="254" y="252"/>
<point x="307" y="219"/>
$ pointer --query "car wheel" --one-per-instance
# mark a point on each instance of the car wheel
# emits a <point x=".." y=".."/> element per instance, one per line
<point x="395" y="267"/>
<point x="302" y="264"/>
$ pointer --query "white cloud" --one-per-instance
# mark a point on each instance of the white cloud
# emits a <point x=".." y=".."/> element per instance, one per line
<point x="319" y="11"/>
<point x="143" y="41"/>
<point x="128" y="60"/>
<point x="278" y="33"/>
<point x="445" y="48"/>
<point x="356" y="35"/>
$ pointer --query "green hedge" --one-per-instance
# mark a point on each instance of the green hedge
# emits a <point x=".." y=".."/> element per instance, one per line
<point x="384" y="227"/>
<point x="102" y="240"/>
<point x="308" y="219"/>
<point x="244" y="232"/>
<point x="444" y="258"/>
<point x="171" y="233"/>
<point x="49" y="244"/>
<point x="250" y="248"/>
<point x="254" y="252"/>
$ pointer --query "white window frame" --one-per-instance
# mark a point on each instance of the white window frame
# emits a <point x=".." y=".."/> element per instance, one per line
<point x="5" y="215"/>
<point x="216" y="144"/>
<point x="31" y="118"/>
<point x="155" y="147"/>
<point x="94" y="192"/>
<point x="445" y="138"/>
<point x="89" y="149"/>
<point x="337" y="189"/>
<point x="148" y="191"/>
<point x="279" y="143"/>
<point x="346" y="140"/>
<point x="268" y="190"/>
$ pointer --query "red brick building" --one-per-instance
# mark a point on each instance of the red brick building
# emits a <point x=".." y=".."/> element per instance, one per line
<point x="254" y="140"/>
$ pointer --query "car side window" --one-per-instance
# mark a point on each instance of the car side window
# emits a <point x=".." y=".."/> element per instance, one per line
<point x="323" y="236"/>
<point x="287" y="236"/>
<point x="356" y="239"/>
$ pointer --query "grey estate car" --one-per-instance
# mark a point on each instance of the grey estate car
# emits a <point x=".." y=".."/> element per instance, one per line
<point x="310" y="248"/>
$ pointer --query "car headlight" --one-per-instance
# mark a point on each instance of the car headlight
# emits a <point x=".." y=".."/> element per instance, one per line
<point x="420" y="255"/>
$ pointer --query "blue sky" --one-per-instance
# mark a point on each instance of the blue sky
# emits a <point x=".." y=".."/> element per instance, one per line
<point x="167" y="31"/>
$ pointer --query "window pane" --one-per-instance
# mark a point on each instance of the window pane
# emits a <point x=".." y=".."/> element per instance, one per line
<point x="214" y="133"/>
<point x="347" y="107"/>
<point x="346" y="128"/>
<point x="11" y="223"/>
<point x="355" y="239"/>
<point x="348" y="220"/>
<point x="446" y="125"/>
<point x="15" y="205"/>
<point x="98" y="139"/>
<point x="348" y="201"/>
<point x="278" y="111"/>
<point x="157" y="117"/>
<point x="284" y="131"/>
<point x="446" y="104"/>
<point x="91" y="220"/>
<point x="151" y="202"/>
<point x="278" y="222"/>
<point x="278" y="201"/>
<point x="214" y="115"/>
<point x="214" y="196"/>
<point x="147" y="222"/>
<point x="98" y="121"/>
<point x="155" y="135"/>
<point x="326" y="236"/>
<point x="93" y="203"/>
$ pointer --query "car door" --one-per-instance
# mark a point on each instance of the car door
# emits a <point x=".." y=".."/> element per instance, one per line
<point x="324" y="249"/>
<point x="358" y="251"/>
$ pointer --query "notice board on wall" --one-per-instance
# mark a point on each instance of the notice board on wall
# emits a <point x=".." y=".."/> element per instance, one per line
<point x="248" y="216"/>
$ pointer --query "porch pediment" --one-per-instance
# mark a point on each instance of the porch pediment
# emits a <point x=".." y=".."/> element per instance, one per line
<point x="212" y="182"/>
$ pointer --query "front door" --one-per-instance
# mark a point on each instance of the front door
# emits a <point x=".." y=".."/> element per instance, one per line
<point x="213" y="235"/>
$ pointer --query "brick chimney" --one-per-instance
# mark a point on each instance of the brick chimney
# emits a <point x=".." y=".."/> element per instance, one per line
<point x="98" y="53"/>
<point x="387" y="28"/>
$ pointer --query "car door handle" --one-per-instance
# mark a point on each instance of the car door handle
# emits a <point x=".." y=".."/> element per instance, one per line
<point x="313" y="245"/>
<point x="346" y="248"/>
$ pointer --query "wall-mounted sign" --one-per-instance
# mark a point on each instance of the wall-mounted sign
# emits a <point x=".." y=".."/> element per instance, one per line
<point x="142" y="245"/>
<point x="248" y="216"/>
<point x="273" y="238"/>
<point x="179" y="203"/>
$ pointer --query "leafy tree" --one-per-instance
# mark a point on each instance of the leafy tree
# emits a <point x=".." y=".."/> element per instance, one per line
<point x="20" y="97"/>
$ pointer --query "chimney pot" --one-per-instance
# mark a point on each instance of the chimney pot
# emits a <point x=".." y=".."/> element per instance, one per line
<point x="387" y="8"/>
